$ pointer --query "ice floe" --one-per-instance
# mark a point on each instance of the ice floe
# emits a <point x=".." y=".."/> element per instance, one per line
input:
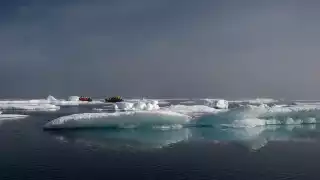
<point x="119" y="119"/>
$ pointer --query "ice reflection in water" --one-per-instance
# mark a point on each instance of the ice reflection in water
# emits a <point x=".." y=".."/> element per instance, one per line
<point x="251" y="138"/>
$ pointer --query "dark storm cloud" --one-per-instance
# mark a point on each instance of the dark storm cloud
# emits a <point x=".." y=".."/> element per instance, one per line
<point x="160" y="48"/>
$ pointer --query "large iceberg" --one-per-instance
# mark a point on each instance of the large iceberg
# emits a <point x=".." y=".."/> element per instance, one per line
<point x="119" y="119"/>
<point x="251" y="116"/>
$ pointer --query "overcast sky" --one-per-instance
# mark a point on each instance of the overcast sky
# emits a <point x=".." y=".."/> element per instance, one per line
<point x="160" y="48"/>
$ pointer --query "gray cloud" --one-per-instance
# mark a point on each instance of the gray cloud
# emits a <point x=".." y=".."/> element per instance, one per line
<point x="229" y="49"/>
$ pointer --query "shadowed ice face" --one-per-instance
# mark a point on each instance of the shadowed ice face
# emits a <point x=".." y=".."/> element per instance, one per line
<point x="164" y="48"/>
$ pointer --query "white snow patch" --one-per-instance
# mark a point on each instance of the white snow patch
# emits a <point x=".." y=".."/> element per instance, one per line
<point x="217" y="103"/>
<point x="73" y="98"/>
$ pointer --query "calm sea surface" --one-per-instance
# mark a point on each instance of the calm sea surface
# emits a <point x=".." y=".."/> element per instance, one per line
<point x="29" y="152"/>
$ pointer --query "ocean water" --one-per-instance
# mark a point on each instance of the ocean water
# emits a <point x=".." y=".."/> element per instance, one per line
<point x="233" y="144"/>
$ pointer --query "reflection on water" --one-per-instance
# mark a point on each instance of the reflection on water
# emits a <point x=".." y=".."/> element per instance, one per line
<point x="10" y="117"/>
<point x="124" y="138"/>
<point x="251" y="138"/>
<point x="258" y="137"/>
